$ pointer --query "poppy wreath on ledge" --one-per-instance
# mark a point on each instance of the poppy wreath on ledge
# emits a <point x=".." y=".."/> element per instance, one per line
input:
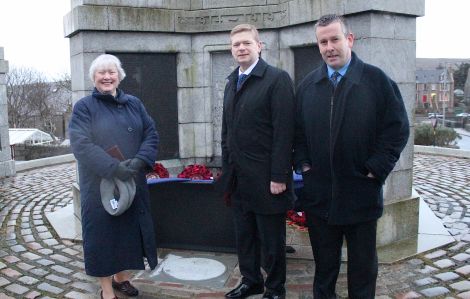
<point x="196" y="172"/>
<point x="297" y="218"/>
<point x="159" y="172"/>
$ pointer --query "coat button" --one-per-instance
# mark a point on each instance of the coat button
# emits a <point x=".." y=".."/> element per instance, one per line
<point x="130" y="129"/>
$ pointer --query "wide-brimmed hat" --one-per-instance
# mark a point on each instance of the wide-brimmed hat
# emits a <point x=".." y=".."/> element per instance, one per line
<point x="116" y="195"/>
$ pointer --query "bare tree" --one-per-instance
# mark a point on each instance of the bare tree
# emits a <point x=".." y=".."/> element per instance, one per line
<point x="35" y="102"/>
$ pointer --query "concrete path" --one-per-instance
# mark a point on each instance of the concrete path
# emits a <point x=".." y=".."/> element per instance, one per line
<point x="35" y="263"/>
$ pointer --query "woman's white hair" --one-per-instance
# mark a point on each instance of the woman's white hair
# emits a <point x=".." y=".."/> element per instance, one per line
<point x="105" y="61"/>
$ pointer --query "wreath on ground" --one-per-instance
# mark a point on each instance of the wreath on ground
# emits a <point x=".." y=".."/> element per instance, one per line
<point x="297" y="219"/>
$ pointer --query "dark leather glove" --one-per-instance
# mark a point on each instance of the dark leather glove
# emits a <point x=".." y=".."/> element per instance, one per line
<point x="136" y="164"/>
<point x="124" y="172"/>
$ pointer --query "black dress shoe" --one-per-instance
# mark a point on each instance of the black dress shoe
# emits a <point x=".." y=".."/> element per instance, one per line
<point x="272" y="295"/>
<point x="126" y="288"/>
<point x="244" y="290"/>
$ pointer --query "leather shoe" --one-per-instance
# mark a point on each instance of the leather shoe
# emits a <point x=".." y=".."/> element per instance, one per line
<point x="101" y="296"/>
<point x="125" y="287"/>
<point x="243" y="290"/>
<point x="272" y="295"/>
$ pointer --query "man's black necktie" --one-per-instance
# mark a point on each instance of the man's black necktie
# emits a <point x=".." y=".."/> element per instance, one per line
<point x="335" y="78"/>
<point x="241" y="79"/>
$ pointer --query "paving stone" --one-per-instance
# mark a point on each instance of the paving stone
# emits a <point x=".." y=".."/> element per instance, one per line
<point x="18" y="248"/>
<point x="32" y="295"/>
<point x="45" y="262"/>
<point x="444" y="263"/>
<point x="464" y="295"/>
<point x="465" y="270"/>
<point x="60" y="258"/>
<point x="39" y="272"/>
<point x="46" y="251"/>
<point x="51" y="242"/>
<point x="78" y="295"/>
<point x="91" y="288"/>
<point x="3" y="281"/>
<point x="24" y="266"/>
<point x="45" y="235"/>
<point x="61" y="269"/>
<point x="11" y="259"/>
<point x="2" y="265"/>
<point x="435" y="254"/>
<point x="408" y="295"/>
<point x="42" y="228"/>
<point x="70" y="251"/>
<point x="427" y="269"/>
<point x="463" y="285"/>
<point x="28" y="280"/>
<point x="30" y="256"/>
<point x="465" y="238"/>
<point x="55" y="278"/>
<point x="34" y="246"/>
<point x="11" y="272"/>
<point x="16" y="288"/>
<point x="458" y="246"/>
<point x="434" y="292"/>
<point x="461" y="257"/>
<point x="424" y="281"/>
<point x="50" y="288"/>
<point x="447" y="276"/>
<point x="83" y="276"/>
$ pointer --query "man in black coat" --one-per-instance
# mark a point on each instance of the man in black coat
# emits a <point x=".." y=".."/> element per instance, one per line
<point x="350" y="130"/>
<point x="257" y="137"/>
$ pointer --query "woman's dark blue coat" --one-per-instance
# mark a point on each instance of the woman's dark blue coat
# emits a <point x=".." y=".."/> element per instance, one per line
<point x="113" y="243"/>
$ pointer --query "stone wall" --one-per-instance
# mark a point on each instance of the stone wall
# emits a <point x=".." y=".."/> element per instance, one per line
<point x="197" y="32"/>
<point x="7" y="165"/>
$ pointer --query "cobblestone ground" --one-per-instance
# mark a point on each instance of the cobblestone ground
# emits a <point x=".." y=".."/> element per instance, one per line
<point x="35" y="263"/>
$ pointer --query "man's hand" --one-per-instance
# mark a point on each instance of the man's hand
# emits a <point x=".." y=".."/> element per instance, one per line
<point x="277" y="188"/>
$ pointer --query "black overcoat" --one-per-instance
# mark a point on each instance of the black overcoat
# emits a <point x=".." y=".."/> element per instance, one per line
<point x="344" y="134"/>
<point x="113" y="243"/>
<point x="257" y="137"/>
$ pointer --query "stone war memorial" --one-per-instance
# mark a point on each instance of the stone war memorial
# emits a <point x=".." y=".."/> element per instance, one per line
<point x="177" y="56"/>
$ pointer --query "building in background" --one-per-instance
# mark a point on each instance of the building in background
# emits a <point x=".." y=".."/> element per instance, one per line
<point x="434" y="91"/>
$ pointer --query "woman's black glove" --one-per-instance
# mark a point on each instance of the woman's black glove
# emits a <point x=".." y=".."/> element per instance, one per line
<point x="124" y="172"/>
<point x="136" y="164"/>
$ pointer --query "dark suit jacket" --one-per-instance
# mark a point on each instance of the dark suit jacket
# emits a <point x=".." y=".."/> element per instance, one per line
<point x="360" y="127"/>
<point x="257" y="137"/>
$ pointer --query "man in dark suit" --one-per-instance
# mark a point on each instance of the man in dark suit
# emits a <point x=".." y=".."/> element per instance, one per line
<point x="257" y="137"/>
<point x="351" y="127"/>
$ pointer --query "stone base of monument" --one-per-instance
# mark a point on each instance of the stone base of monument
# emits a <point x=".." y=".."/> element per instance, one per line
<point x="408" y="227"/>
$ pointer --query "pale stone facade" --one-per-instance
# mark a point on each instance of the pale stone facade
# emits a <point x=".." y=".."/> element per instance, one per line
<point x="196" y="31"/>
<point x="7" y="165"/>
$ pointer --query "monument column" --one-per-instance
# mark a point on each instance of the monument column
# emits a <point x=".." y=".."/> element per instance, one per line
<point x="7" y="165"/>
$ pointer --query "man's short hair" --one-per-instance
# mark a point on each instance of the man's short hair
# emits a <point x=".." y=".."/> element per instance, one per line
<point x="328" y="19"/>
<point x="245" y="27"/>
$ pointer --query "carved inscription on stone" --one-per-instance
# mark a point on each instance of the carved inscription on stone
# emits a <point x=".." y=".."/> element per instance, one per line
<point x="222" y="65"/>
<point x="257" y="17"/>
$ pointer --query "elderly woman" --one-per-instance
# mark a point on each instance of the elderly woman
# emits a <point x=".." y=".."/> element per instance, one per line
<point x="106" y="119"/>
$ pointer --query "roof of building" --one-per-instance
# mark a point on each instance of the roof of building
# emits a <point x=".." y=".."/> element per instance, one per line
<point x="29" y="135"/>
<point x="432" y="76"/>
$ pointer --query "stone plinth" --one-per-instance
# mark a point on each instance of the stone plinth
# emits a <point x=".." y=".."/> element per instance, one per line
<point x="7" y="165"/>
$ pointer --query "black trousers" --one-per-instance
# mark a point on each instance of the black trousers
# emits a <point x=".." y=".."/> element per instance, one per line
<point x="327" y="240"/>
<point x="261" y="241"/>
